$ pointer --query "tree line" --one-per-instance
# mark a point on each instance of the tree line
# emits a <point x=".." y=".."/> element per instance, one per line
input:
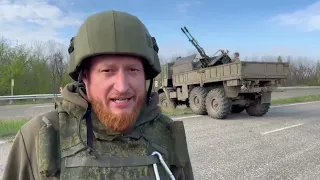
<point x="39" y="68"/>
<point x="42" y="67"/>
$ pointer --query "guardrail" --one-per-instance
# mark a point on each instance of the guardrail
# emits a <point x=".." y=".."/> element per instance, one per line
<point x="30" y="96"/>
<point x="52" y="96"/>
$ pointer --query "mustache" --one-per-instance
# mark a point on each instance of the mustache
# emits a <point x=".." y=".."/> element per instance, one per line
<point x="125" y="95"/>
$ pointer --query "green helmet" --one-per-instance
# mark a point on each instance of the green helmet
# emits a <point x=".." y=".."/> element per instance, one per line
<point x="114" y="32"/>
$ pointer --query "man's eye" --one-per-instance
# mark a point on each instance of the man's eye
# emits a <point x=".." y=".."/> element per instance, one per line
<point x="133" y="69"/>
<point x="106" y="70"/>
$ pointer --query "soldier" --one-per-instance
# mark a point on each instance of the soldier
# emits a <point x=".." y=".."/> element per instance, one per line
<point x="107" y="126"/>
<point x="236" y="57"/>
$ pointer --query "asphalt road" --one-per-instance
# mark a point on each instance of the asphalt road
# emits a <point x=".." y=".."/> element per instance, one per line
<point x="21" y="111"/>
<point x="284" y="144"/>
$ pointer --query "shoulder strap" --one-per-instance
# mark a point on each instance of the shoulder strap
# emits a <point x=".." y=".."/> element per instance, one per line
<point x="52" y="118"/>
<point x="48" y="153"/>
<point x="49" y="143"/>
<point x="179" y="143"/>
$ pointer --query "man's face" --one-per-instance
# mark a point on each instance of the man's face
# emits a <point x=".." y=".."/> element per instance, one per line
<point x="235" y="56"/>
<point x="116" y="89"/>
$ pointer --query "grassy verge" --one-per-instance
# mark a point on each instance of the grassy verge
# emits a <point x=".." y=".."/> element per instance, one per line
<point x="298" y="99"/>
<point x="176" y="112"/>
<point x="11" y="127"/>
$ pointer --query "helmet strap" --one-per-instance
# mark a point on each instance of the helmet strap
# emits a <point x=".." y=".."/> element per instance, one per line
<point x="149" y="91"/>
<point x="87" y="115"/>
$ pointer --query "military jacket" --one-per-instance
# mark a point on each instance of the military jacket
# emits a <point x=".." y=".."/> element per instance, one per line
<point x="55" y="147"/>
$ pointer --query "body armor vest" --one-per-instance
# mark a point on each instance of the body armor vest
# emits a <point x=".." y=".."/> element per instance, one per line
<point x="63" y="154"/>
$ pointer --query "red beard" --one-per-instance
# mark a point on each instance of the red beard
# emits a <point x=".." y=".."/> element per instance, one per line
<point x="120" y="123"/>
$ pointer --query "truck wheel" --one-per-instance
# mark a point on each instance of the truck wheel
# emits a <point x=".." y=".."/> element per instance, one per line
<point x="197" y="100"/>
<point x="218" y="104"/>
<point x="237" y="108"/>
<point x="164" y="102"/>
<point x="258" y="109"/>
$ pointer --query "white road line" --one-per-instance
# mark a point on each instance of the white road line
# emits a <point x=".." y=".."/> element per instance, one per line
<point x="43" y="106"/>
<point x="268" y="132"/>
<point x="2" y="142"/>
<point x="186" y="117"/>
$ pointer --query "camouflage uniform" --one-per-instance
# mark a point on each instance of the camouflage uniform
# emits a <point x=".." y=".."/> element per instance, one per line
<point x="71" y="143"/>
<point x="236" y="60"/>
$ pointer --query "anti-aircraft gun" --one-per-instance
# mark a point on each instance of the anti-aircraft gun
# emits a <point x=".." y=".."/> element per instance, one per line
<point x="217" y="86"/>
<point x="205" y="60"/>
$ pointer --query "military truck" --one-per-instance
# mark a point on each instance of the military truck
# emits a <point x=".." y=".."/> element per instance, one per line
<point x="216" y="85"/>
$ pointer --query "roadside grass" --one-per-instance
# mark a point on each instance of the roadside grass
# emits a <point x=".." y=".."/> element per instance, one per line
<point x="11" y="127"/>
<point x="176" y="112"/>
<point x="298" y="99"/>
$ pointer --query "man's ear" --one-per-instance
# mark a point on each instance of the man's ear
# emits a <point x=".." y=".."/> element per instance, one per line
<point x="85" y="77"/>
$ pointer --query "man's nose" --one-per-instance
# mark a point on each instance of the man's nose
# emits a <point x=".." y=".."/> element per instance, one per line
<point x="122" y="82"/>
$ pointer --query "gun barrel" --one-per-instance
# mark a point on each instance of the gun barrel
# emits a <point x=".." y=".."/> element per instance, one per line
<point x="206" y="60"/>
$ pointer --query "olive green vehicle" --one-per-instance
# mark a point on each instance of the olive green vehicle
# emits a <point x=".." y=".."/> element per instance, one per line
<point x="218" y="86"/>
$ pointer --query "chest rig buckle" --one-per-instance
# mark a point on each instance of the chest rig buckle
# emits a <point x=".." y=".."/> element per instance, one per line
<point x="163" y="163"/>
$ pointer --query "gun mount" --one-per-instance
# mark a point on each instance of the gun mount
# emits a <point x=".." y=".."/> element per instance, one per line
<point x="205" y="60"/>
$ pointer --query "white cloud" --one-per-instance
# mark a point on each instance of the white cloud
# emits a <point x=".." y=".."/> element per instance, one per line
<point x="307" y="19"/>
<point x="184" y="6"/>
<point x="28" y="20"/>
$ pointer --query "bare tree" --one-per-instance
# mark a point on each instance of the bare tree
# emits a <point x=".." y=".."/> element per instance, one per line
<point x="57" y="66"/>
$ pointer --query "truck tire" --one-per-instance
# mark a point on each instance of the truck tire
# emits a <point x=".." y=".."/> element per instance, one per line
<point x="218" y="105"/>
<point x="197" y="100"/>
<point x="237" y="108"/>
<point x="257" y="109"/>
<point x="164" y="102"/>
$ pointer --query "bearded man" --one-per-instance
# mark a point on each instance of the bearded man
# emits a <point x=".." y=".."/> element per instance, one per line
<point x="107" y="126"/>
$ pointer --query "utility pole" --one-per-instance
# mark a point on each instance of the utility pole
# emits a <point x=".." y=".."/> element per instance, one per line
<point x="12" y="85"/>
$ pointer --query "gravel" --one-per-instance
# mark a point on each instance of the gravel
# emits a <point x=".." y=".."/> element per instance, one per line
<point x="4" y="152"/>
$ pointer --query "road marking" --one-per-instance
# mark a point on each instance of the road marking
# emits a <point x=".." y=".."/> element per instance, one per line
<point x="42" y="106"/>
<point x="186" y="117"/>
<point x="3" y="142"/>
<point x="268" y="132"/>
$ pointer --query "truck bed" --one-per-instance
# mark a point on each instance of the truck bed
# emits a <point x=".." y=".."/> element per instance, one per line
<point x="242" y="70"/>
